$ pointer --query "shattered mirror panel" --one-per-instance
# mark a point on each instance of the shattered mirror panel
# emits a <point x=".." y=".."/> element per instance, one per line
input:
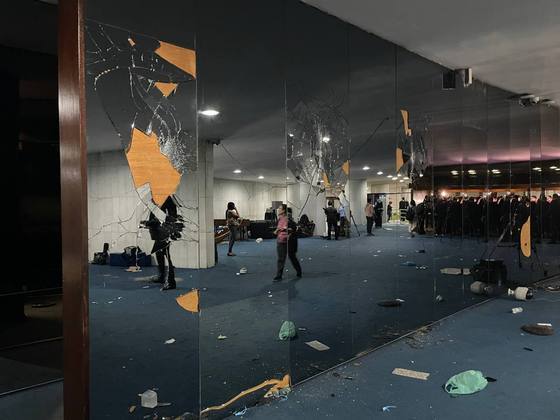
<point x="317" y="159"/>
<point x="143" y="223"/>
<point x="245" y="322"/>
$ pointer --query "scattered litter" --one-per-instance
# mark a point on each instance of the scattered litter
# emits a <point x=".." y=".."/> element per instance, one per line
<point x="439" y="298"/>
<point x="402" y="256"/>
<point x="222" y="337"/>
<point x="145" y="287"/>
<point x="516" y="310"/>
<point x="338" y="375"/>
<point x="133" y="269"/>
<point x="490" y="379"/>
<point x="110" y="301"/>
<point x="528" y="348"/>
<point x="119" y="298"/>
<point x="243" y="270"/>
<point x="164" y="404"/>
<point x="521" y="293"/>
<point x="391" y="303"/>
<point x="421" y="267"/>
<point x="148" y="399"/>
<point x="452" y="271"/>
<point x="258" y="240"/>
<point x="465" y="383"/>
<point x="411" y="373"/>
<point x="553" y="288"/>
<point x="538" y="329"/>
<point x="388" y="408"/>
<point x="317" y="345"/>
<point x="287" y="331"/>
<point x="242" y="412"/>
<point x="302" y="329"/>
<point x="421" y="251"/>
<point x="131" y="409"/>
<point x="409" y="264"/>
<point x="170" y="341"/>
<point x="94" y="302"/>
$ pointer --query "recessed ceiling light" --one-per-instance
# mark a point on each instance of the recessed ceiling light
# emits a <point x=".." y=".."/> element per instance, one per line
<point x="261" y="177"/>
<point x="421" y="175"/>
<point x="471" y="172"/>
<point x="380" y="173"/>
<point x="389" y="176"/>
<point x="209" y="112"/>
<point x="366" y="168"/>
<point x="287" y="177"/>
<point x="326" y="139"/>
<point x="394" y="178"/>
<point x="399" y="175"/>
<point x="405" y="177"/>
<point x="237" y="171"/>
<point x="402" y="180"/>
<point x="536" y="168"/>
<point x="553" y="167"/>
<point x="291" y="135"/>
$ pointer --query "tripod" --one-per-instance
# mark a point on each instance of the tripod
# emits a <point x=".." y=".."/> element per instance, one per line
<point x="355" y="225"/>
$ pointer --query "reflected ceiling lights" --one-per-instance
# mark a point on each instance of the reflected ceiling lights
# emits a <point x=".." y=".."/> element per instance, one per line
<point x="553" y="167"/>
<point x="237" y="171"/>
<point x="367" y="168"/>
<point x="326" y="139"/>
<point x="209" y="112"/>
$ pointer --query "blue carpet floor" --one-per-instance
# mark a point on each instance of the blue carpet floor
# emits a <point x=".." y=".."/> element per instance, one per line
<point x="335" y="302"/>
<point x="486" y="338"/>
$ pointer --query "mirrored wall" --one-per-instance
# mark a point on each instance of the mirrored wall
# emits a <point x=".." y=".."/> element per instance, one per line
<point x="273" y="192"/>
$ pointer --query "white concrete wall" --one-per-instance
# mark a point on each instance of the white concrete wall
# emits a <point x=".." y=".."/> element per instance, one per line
<point x="250" y="198"/>
<point x="356" y="192"/>
<point x="115" y="210"/>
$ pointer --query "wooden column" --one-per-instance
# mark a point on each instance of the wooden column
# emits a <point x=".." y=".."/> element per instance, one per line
<point x="73" y="178"/>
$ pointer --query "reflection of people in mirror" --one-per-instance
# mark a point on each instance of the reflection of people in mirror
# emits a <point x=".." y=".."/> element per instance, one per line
<point x="233" y="221"/>
<point x="286" y="243"/>
<point x="332" y="220"/>
<point x="369" y="217"/>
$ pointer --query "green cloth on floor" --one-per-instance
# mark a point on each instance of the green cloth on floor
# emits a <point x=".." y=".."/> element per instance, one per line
<point x="287" y="330"/>
<point x="467" y="382"/>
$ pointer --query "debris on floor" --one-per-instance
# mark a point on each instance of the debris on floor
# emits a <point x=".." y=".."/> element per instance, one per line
<point x="454" y="271"/>
<point x="258" y="240"/>
<point x="516" y="310"/>
<point x="528" y="348"/>
<point x="240" y="412"/>
<point x="131" y="409"/>
<point x="408" y="264"/>
<point x="338" y="375"/>
<point x="466" y="383"/>
<point x="388" y="408"/>
<point x="421" y="267"/>
<point x="133" y="269"/>
<point x="411" y="374"/>
<point x="222" y="337"/>
<point x="391" y="303"/>
<point x="317" y="345"/>
<point x="170" y="341"/>
<point x="439" y="298"/>
<point x="243" y="270"/>
<point x="421" y="251"/>
<point x="287" y="331"/>
<point x="148" y="399"/>
<point x="538" y="329"/>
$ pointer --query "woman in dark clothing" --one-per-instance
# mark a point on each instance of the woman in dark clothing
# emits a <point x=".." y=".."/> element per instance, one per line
<point x="286" y="243"/>
<point x="232" y="219"/>
<point x="389" y="211"/>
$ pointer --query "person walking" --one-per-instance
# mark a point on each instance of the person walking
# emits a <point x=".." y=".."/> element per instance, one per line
<point x="411" y="217"/>
<point x="286" y="243"/>
<point x="369" y="210"/>
<point x="389" y="211"/>
<point x="232" y="220"/>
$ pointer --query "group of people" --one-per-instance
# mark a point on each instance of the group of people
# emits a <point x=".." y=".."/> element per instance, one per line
<point x="374" y="214"/>
<point x="484" y="216"/>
